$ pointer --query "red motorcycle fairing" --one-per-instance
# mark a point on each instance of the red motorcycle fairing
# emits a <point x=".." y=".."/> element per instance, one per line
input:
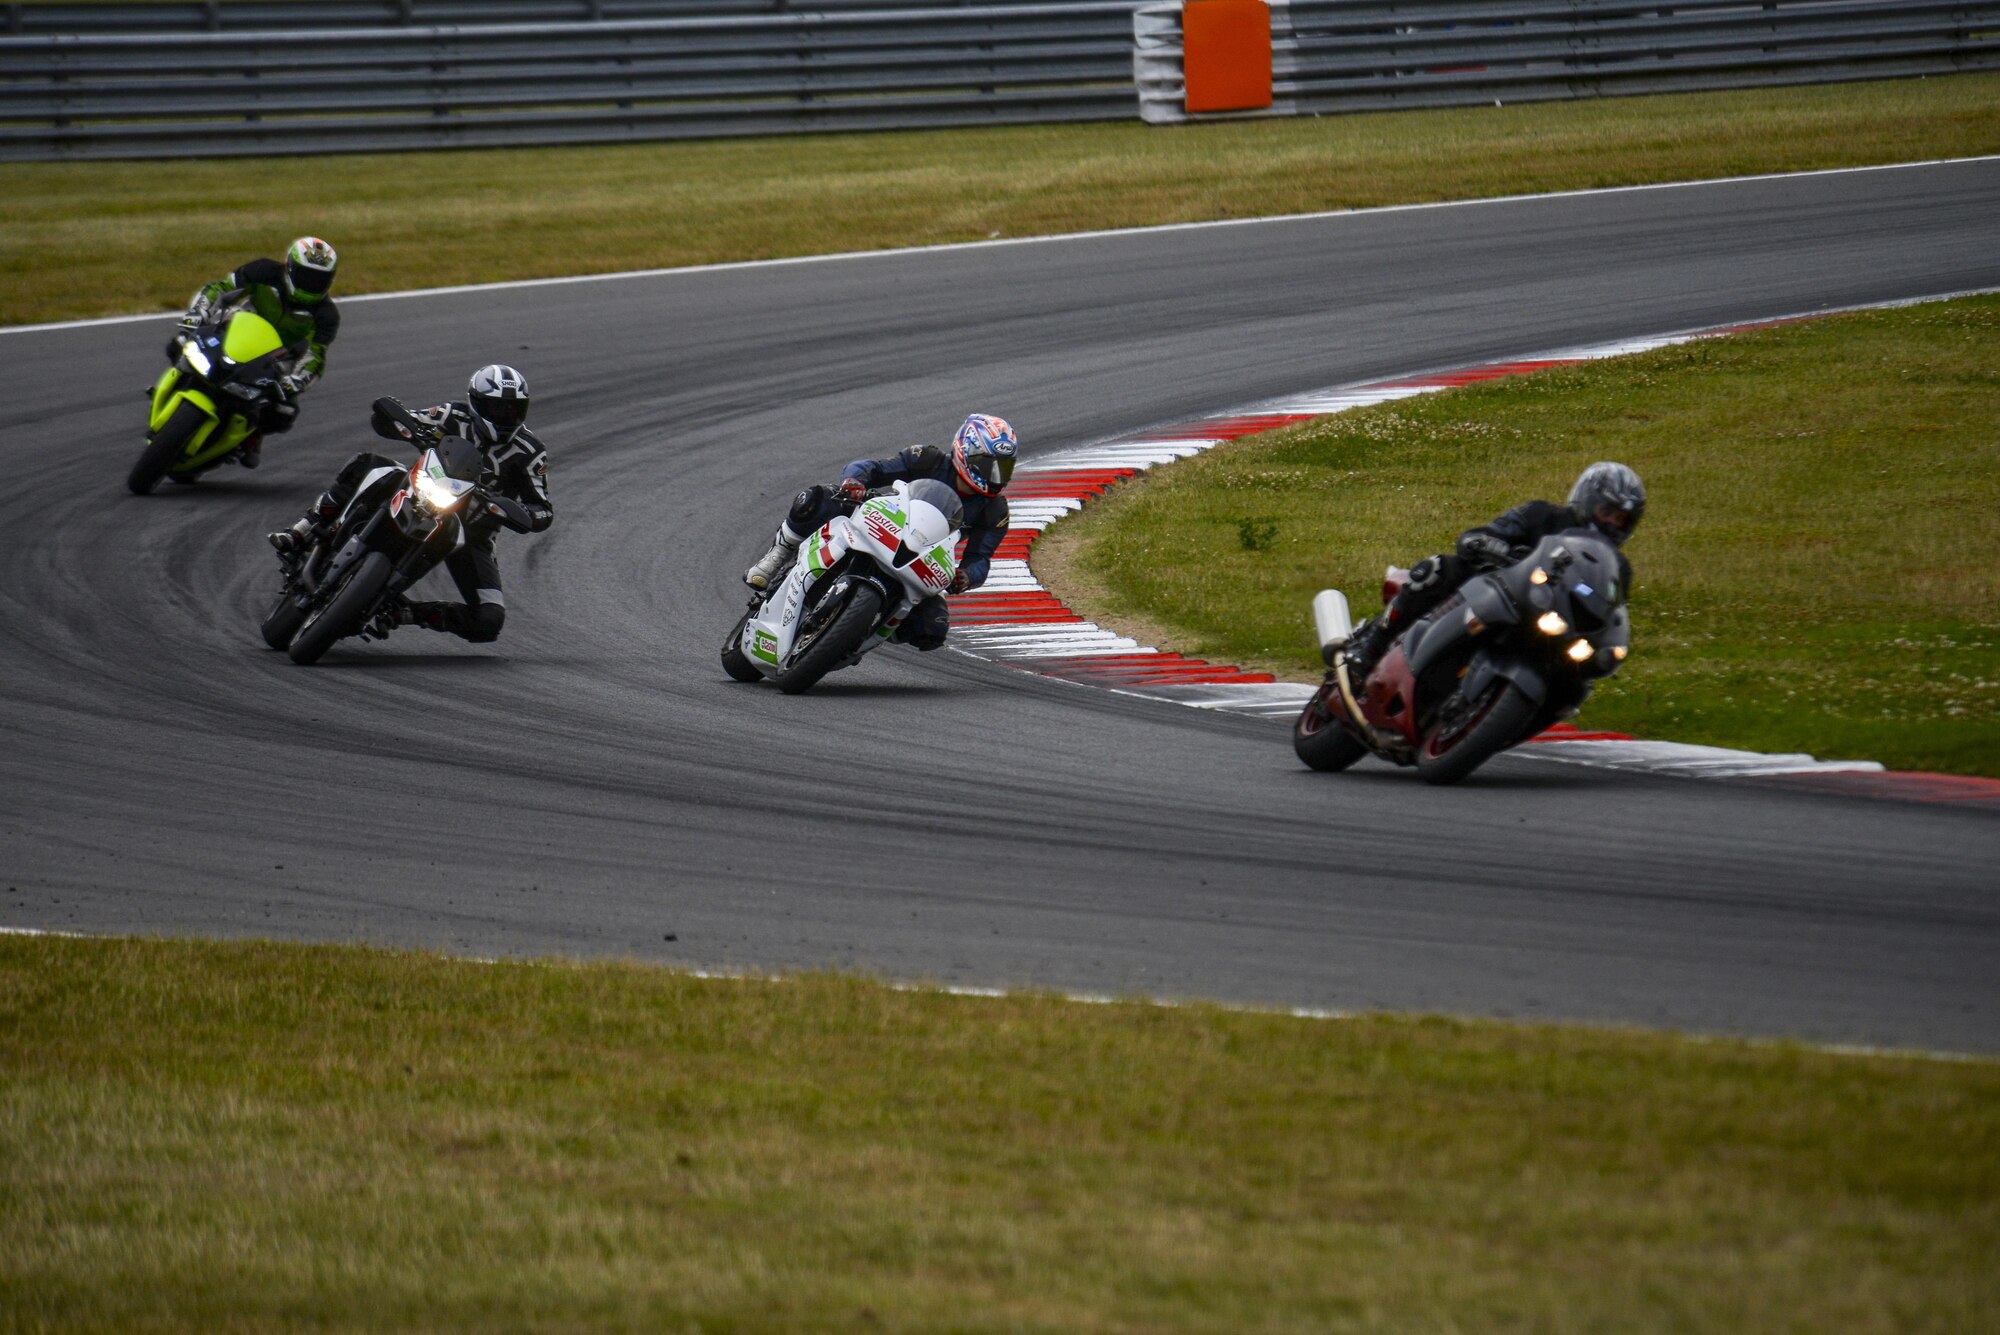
<point x="1389" y="696"/>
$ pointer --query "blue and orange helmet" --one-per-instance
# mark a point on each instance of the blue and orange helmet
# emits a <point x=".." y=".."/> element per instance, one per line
<point x="982" y="453"/>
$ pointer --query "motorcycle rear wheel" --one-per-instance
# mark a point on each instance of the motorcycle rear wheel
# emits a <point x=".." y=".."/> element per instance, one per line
<point x="343" y="614"/>
<point x="734" y="661"/>
<point x="1498" y="721"/>
<point x="283" y="621"/>
<point x="165" y="448"/>
<point x="850" y="626"/>
<point x="1321" y="742"/>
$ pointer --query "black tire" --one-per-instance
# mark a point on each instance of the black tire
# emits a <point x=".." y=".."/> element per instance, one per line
<point x="164" y="449"/>
<point x="342" y="614"/>
<point x="1500" y="719"/>
<point x="283" y="621"/>
<point x="843" y="635"/>
<point x="734" y="661"/>
<point x="1321" y="742"/>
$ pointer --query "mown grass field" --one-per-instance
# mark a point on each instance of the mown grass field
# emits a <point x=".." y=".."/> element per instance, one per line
<point x="256" y="1136"/>
<point x="1815" y="571"/>
<point x="82" y="239"/>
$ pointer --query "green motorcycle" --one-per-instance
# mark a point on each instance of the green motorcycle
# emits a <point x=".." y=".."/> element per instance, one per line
<point x="211" y="398"/>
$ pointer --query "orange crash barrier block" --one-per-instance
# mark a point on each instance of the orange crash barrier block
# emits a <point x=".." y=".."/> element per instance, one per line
<point x="1227" y="54"/>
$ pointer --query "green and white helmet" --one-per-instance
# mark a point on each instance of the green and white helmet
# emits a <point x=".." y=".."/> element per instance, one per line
<point x="309" y="266"/>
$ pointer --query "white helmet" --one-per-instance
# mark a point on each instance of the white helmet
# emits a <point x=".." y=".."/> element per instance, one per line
<point x="498" y="401"/>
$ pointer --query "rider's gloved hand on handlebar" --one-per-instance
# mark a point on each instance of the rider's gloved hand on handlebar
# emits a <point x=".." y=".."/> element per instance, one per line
<point x="959" y="583"/>
<point x="1486" y="549"/>
<point x="850" y="489"/>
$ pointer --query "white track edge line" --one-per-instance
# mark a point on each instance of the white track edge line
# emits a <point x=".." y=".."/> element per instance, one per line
<point x="1158" y="1003"/>
<point x="672" y="271"/>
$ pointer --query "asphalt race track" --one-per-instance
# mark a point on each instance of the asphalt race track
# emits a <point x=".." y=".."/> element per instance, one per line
<point x="593" y="785"/>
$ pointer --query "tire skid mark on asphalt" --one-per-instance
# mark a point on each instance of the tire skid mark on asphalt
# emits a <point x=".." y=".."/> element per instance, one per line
<point x="1012" y="619"/>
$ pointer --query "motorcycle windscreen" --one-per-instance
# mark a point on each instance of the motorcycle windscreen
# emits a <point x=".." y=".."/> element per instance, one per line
<point x="250" y="336"/>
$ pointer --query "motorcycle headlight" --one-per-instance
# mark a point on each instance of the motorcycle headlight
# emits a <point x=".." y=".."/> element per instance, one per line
<point x="195" y="357"/>
<point x="438" y="493"/>
<point x="1580" y="651"/>
<point x="1551" y="623"/>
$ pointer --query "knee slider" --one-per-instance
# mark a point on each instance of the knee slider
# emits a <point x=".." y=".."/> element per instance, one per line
<point x="805" y="509"/>
<point x="1425" y="573"/>
<point x="486" y="623"/>
<point x="928" y="625"/>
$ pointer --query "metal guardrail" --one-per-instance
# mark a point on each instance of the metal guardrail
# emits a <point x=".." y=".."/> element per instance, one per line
<point x="256" y="15"/>
<point x="1370" y="55"/>
<point x="299" y="89"/>
<point x="214" y="78"/>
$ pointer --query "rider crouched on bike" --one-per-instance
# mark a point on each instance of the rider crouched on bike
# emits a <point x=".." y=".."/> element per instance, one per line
<point x="1608" y="497"/>
<point x="292" y="296"/>
<point x="977" y="465"/>
<point x="492" y="416"/>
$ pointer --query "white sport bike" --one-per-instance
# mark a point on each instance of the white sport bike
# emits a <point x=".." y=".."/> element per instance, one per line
<point x="854" y="582"/>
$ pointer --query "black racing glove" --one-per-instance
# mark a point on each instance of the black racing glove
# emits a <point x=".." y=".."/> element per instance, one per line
<point x="1486" y="549"/>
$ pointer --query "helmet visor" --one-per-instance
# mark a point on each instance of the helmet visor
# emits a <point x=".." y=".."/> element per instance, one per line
<point x="504" y="416"/>
<point x="308" y="283"/>
<point x="1616" y="520"/>
<point x="990" y="471"/>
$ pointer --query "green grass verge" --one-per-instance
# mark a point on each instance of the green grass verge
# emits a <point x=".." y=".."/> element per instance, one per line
<point x="258" y="1136"/>
<point x="1815" y="571"/>
<point x="81" y="239"/>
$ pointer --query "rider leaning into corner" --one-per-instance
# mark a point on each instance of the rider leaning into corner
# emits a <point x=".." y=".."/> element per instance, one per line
<point x="1608" y="497"/>
<point x="291" y="295"/>
<point x="492" y="416"/>
<point x="977" y="465"/>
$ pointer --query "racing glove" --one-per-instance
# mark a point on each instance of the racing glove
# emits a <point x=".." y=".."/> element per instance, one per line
<point x="850" y="489"/>
<point x="959" y="583"/>
<point x="1486" y="549"/>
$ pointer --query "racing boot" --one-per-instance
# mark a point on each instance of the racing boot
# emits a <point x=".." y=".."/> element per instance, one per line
<point x="297" y="540"/>
<point x="1364" y="649"/>
<point x="784" y="547"/>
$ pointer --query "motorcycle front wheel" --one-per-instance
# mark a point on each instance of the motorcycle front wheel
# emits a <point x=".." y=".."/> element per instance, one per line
<point x="734" y="661"/>
<point x="850" y="626"/>
<point x="342" y="614"/>
<point x="166" y="447"/>
<point x="283" y="621"/>
<point x="1319" y="741"/>
<point x="1496" y="721"/>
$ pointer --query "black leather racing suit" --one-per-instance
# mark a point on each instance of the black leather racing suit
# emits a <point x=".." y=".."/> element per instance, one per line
<point x="519" y="469"/>
<point x="1487" y="547"/>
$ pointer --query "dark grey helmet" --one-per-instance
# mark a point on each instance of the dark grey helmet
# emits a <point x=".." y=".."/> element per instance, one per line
<point x="1611" y="498"/>
<point x="498" y="401"/>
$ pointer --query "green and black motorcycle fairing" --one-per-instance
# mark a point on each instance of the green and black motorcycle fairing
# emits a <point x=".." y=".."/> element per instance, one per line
<point x="206" y="404"/>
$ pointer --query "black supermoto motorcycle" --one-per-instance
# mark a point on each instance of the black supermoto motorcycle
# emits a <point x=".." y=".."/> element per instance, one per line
<point x="401" y="524"/>
<point x="1510" y="653"/>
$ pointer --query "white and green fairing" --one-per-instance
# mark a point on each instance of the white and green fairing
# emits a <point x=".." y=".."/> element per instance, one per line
<point x="873" y="533"/>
